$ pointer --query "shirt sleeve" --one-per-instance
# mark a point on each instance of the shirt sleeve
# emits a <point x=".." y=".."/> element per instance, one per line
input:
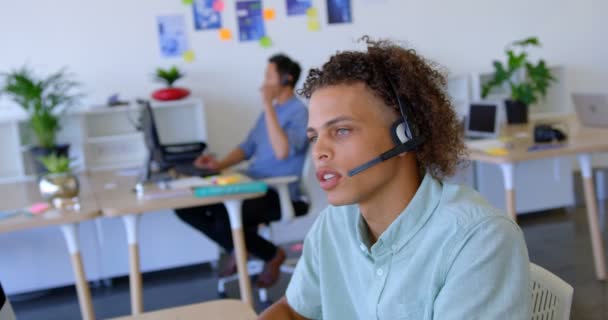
<point x="303" y="292"/>
<point x="248" y="145"/>
<point x="295" y="130"/>
<point x="489" y="277"/>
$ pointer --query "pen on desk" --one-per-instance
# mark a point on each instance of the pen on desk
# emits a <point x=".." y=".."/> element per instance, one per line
<point x="539" y="147"/>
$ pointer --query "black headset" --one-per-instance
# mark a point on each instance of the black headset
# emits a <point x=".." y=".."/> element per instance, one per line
<point x="405" y="133"/>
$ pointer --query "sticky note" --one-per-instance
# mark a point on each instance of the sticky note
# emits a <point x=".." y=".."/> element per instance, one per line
<point x="189" y="56"/>
<point x="269" y="14"/>
<point x="225" y="34"/>
<point x="218" y="5"/>
<point x="312" y="12"/>
<point x="314" y="25"/>
<point x="38" y="208"/>
<point x="497" y="151"/>
<point x="265" y="42"/>
<point x="187" y="2"/>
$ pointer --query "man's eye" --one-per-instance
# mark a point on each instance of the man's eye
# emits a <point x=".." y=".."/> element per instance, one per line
<point x="312" y="139"/>
<point x="342" y="131"/>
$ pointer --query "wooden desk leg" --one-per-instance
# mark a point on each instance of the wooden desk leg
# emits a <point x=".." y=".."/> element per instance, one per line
<point x="240" y="250"/>
<point x="70" y="233"/>
<point x="599" y="257"/>
<point x="137" y="302"/>
<point x="507" y="174"/>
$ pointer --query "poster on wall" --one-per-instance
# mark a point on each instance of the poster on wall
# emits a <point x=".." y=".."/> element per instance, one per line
<point x="172" y="35"/>
<point x="205" y="15"/>
<point x="338" y="11"/>
<point x="298" y="7"/>
<point x="250" y="20"/>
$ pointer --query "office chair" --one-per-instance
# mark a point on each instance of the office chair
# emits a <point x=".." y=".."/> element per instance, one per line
<point x="317" y="201"/>
<point x="551" y="296"/>
<point x="6" y="311"/>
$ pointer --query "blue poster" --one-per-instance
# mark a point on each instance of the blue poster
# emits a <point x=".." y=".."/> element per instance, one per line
<point x="250" y="19"/>
<point x="298" y="7"/>
<point x="338" y="11"/>
<point x="205" y="17"/>
<point x="172" y="35"/>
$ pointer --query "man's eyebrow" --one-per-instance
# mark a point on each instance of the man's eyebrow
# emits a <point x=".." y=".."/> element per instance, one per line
<point x="332" y="122"/>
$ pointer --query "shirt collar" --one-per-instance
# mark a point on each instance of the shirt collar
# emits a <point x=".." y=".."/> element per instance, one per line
<point x="408" y="223"/>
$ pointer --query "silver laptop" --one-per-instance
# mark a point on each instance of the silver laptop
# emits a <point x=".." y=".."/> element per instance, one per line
<point x="591" y="108"/>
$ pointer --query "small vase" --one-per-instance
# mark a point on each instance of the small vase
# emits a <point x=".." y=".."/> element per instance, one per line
<point x="170" y="94"/>
<point x="517" y="112"/>
<point x="61" y="190"/>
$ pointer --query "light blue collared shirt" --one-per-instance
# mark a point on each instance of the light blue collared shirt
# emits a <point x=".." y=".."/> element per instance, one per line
<point x="293" y="118"/>
<point x="449" y="255"/>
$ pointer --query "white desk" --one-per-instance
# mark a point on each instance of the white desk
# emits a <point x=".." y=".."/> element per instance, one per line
<point x="121" y="201"/>
<point x="23" y="194"/>
<point x="582" y="142"/>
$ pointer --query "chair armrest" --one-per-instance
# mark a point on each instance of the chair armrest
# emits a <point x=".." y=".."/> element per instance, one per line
<point x="281" y="185"/>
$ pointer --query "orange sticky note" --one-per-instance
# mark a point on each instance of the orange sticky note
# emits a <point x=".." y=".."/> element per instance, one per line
<point x="269" y="14"/>
<point x="225" y="34"/>
<point x="218" y="5"/>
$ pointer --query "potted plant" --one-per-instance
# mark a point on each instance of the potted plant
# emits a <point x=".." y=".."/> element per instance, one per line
<point x="527" y="81"/>
<point x="44" y="100"/>
<point x="59" y="186"/>
<point x="169" y="76"/>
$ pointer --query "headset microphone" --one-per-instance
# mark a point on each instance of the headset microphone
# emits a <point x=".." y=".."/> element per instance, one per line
<point x="405" y="134"/>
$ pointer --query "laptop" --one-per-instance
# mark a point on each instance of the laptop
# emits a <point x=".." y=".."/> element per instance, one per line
<point x="482" y="121"/>
<point x="591" y="108"/>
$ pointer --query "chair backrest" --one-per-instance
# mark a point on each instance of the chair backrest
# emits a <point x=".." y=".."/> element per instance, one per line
<point x="317" y="199"/>
<point x="6" y="311"/>
<point x="551" y="296"/>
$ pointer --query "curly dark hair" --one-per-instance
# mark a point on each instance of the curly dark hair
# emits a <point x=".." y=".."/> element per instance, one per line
<point x="416" y="79"/>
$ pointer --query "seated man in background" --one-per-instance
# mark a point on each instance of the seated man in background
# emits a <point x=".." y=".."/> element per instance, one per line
<point x="397" y="242"/>
<point x="276" y="146"/>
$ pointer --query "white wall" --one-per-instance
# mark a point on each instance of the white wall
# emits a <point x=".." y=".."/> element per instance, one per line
<point x="112" y="45"/>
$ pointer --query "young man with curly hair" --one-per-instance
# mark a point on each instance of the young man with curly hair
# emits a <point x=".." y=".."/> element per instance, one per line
<point x="397" y="242"/>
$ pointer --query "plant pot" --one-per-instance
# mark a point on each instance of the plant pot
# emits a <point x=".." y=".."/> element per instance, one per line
<point x="517" y="112"/>
<point x="169" y="94"/>
<point x="60" y="189"/>
<point x="37" y="152"/>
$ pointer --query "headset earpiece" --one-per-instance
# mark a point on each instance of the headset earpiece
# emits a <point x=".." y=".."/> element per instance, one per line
<point x="285" y="80"/>
<point x="398" y="132"/>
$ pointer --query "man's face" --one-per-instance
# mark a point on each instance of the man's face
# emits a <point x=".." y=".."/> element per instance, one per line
<point x="271" y="76"/>
<point x="348" y="126"/>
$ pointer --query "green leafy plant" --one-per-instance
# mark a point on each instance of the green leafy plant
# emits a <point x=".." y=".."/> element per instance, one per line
<point x="528" y="87"/>
<point x="56" y="164"/>
<point x="168" y="76"/>
<point x="43" y="99"/>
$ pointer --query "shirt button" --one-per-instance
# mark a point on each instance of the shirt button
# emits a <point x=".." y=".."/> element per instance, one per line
<point x="363" y="248"/>
<point x="379" y="272"/>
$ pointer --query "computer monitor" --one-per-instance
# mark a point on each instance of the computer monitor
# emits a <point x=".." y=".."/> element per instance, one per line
<point x="591" y="108"/>
<point x="482" y="120"/>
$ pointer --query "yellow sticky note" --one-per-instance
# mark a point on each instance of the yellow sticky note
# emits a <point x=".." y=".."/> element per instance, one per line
<point x="269" y="14"/>
<point x="314" y="25"/>
<point x="225" y="34"/>
<point x="312" y="12"/>
<point x="189" y="56"/>
<point x="497" y="151"/>
<point x="187" y="2"/>
<point x="266" y="42"/>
